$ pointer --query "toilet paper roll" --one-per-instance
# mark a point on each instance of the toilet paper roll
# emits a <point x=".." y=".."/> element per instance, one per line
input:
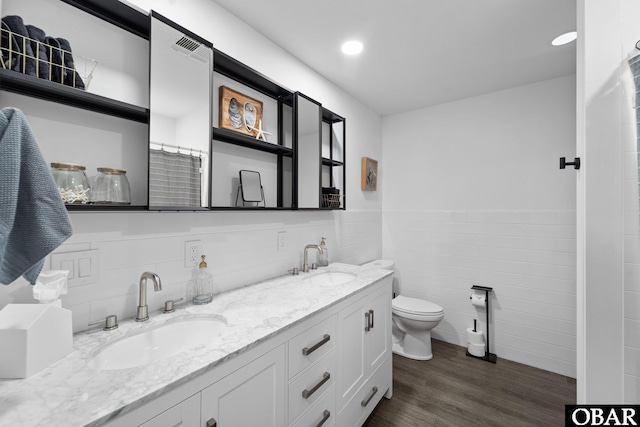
<point x="478" y="299"/>
<point x="476" y="337"/>
<point x="476" y="349"/>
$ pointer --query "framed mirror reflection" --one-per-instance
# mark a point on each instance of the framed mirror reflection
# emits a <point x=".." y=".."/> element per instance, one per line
<point x="180" y="126"/>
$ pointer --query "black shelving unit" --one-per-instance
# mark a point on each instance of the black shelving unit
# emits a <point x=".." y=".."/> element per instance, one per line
<point x="332" y="118"/>
<point x="121" y="16"/>
<point x="250" y="78"/>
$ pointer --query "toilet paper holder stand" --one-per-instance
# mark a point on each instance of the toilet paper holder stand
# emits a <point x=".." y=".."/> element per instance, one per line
<point x="488" y="356"/>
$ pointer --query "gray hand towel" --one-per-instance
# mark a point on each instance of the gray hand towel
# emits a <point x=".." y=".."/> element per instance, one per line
<point x="33" y="218"/>
<point x="71" y="76"/>
<point x="55" y="56"/>
<point x="26" y="63"/>
<point x="40" y="50"/>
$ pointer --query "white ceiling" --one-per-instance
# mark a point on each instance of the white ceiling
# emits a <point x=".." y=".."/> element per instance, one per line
<point x="420" y="52"/>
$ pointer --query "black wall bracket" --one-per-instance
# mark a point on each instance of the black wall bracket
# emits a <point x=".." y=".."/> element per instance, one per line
<point x="564" y="163"/>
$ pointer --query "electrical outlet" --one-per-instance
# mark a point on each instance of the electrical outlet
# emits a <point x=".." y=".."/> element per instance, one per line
<point x="192" y="251"/>
<point x="282" y="238"/>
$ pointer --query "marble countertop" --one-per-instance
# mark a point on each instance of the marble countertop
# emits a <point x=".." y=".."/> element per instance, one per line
<point x="70" y="393"/>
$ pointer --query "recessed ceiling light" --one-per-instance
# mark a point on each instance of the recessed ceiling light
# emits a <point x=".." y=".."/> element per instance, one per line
<point x="564" y="38"/>
<point x="352" y="47"/>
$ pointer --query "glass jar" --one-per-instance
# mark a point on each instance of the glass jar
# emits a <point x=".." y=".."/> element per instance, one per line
<point x="111" y="186"/>
<point x="72" y="182"/>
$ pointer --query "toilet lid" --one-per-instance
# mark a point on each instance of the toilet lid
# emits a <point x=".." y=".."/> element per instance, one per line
<point x="415" y="306"/>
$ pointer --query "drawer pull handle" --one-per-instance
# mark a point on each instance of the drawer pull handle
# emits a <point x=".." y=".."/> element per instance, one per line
<point x="212" y="422"/>
<point x="366" y="401"/>
<point x="308" y="350"/>
<point x="367" y="318"/>
<point x="325" y="416"/>
<point x="307" y="393"/>
<point x="371" y="318"/>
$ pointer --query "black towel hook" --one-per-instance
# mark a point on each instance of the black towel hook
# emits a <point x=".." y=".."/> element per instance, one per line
<point x="638" y="45"/>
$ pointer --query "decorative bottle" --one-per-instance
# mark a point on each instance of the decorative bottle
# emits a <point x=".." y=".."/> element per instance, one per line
<point x="203" y="285"/>
<point x="323" y="258"/>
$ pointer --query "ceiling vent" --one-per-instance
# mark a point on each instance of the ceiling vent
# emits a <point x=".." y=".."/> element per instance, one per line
<point x="192" y="49"/>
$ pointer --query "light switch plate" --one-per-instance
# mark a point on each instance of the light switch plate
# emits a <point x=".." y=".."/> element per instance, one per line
<point x="282" y="240"/>
<point x="82" y="266"/>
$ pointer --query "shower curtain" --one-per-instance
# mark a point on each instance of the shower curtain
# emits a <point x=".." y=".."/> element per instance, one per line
<point x="174" y="179"/>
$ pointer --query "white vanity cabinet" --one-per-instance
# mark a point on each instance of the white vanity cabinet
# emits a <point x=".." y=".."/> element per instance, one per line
<point x="364" y="356"/>
<point x="330" y="369"/>
<point x="251" y="396"/>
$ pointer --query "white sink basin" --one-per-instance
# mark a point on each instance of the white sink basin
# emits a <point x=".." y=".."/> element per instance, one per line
<point x="330" y="278"/>
<point x="156" y="343"/>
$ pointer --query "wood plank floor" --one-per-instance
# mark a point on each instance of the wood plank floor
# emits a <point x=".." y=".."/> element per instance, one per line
<point x="453" y="389"/>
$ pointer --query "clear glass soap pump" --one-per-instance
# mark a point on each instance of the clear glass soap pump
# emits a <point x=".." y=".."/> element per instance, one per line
<point x="203" y="285"/>
<point x="323" y="258"/>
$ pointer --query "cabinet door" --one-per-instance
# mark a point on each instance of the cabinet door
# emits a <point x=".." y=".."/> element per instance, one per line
<point x="351" y="351"/>
<point x="184" y="414"/>
<point x="378" y="338"/>
<point x="251" y="396"/>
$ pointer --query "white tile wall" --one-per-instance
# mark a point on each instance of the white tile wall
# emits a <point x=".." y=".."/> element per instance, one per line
<point x="241" y="249"/>
<point x="527" y="257"/>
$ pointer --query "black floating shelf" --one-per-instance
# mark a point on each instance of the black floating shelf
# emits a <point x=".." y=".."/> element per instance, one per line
<point x="329" y="162"/>
<point x="236" y="138"/>
<point x="105" y="208"/>
<point x="116" y="13"/>
<point x="249" y="208"/>
<point x="234" y="69"/>
<point x="13" y="81"/>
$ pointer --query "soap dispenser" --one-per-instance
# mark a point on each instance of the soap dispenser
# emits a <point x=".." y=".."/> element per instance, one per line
<point x="323" y="258"/>
<point x="203" y="285"/>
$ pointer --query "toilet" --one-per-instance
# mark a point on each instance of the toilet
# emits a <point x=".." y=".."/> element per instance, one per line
<point x="412" y="321"/>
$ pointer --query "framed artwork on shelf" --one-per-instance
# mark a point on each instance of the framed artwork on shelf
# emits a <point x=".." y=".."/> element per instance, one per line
<point x="239" y="112"/>
<point x="369" y="179"/>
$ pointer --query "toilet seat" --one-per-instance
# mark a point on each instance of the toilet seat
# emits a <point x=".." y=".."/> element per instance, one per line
<point x="416" y="308"/>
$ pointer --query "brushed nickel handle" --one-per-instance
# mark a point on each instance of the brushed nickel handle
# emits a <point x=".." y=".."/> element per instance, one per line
<point x="325" y="416"/>
<point x="307" y="393"/>
<point x="169" y="305"/>
<point x="110" y="323"/>
<point x="371" y="317"/>
<point x="211" y="422"/>
<point x="366" y="401"/>
<point x="308" y="350"/>
<point x="367" y="318"/>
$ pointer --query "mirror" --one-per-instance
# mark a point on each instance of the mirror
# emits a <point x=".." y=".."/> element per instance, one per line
<point x="250" y="188"/>
<point x="309" y="131"/>
<point x="180" y="127"/>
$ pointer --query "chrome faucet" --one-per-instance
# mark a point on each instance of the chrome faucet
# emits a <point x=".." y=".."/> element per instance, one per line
<point x="143" y="310"/>
<point x="305" y="265"/>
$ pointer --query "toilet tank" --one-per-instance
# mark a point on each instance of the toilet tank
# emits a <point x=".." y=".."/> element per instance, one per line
<point x="386" y="264"/>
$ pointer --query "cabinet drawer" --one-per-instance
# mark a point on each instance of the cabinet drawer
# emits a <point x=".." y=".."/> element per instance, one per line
<point x="367" y="397"/>
<point x="321" y="413"/>
<point x="310" y="345"/>
<point x="307" y="388"/>
<point x="184" y="414"/>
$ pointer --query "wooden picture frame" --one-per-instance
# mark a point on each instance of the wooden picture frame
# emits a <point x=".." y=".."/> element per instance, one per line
<point x="238" y="112"/>
<point x="369" y="178"/>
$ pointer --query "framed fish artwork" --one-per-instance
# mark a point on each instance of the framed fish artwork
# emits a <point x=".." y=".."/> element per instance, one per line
<point x="239" y="112"/>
